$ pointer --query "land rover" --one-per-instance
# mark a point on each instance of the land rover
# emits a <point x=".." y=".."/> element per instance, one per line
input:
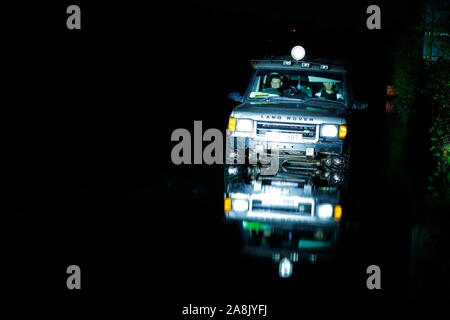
<point x="299" y="108"/>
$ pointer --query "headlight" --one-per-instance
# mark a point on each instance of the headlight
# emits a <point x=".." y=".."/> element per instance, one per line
<point x="245" y="125"/>
<point x="240" y="205"/>
<point x="329" y="130"/>
<point x="325" y="211"/>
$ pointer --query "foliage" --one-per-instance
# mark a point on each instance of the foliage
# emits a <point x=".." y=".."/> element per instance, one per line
<point x="416" y="79"/>
<point x="438" y="94"/>
<point x="407" y="74"/>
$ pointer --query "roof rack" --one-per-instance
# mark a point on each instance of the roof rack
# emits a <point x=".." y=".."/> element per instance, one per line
<point x="304" y="64"/>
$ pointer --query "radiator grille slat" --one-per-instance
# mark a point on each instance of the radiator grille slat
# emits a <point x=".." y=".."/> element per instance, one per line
<point x="308" y="131"/>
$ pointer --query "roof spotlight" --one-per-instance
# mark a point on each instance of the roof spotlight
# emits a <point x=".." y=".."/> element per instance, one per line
<point x="298" y="53"/>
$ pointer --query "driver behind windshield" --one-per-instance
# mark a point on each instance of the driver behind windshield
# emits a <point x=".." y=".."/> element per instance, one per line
<point x="275" y="85"/>
<point x="328" y="92"/>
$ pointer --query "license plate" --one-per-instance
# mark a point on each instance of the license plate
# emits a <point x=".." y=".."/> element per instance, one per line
<point x="280" y="202"/>
<point x="283" y="137"/>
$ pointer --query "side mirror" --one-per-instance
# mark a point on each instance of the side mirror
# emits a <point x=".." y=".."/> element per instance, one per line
<point x="235" y="96"/>
<point x="359" y="105"/>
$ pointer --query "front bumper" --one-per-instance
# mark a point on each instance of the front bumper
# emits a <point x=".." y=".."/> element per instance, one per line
<point x="322" y="158"/>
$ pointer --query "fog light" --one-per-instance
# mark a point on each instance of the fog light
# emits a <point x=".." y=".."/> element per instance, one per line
<point x="309" y="151"/>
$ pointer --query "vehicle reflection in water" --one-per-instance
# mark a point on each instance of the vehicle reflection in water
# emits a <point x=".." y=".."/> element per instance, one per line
<point x="289" y="221"/>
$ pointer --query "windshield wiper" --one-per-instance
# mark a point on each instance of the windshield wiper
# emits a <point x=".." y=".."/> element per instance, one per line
<point x="330" y="104"/>
<point x="324" y="100"/>
<point x="278" y="98"/>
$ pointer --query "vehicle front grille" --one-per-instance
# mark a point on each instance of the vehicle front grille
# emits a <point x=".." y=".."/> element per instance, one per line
<point x="308" y="131"/>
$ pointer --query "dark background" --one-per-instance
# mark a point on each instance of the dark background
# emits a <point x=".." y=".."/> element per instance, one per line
<point x="89" y="115"/>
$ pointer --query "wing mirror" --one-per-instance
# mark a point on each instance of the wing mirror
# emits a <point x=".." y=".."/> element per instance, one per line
<point x="235" y="96"/>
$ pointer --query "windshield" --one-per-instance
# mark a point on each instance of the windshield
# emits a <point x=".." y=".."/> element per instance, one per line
<point x="297" y="85"/>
